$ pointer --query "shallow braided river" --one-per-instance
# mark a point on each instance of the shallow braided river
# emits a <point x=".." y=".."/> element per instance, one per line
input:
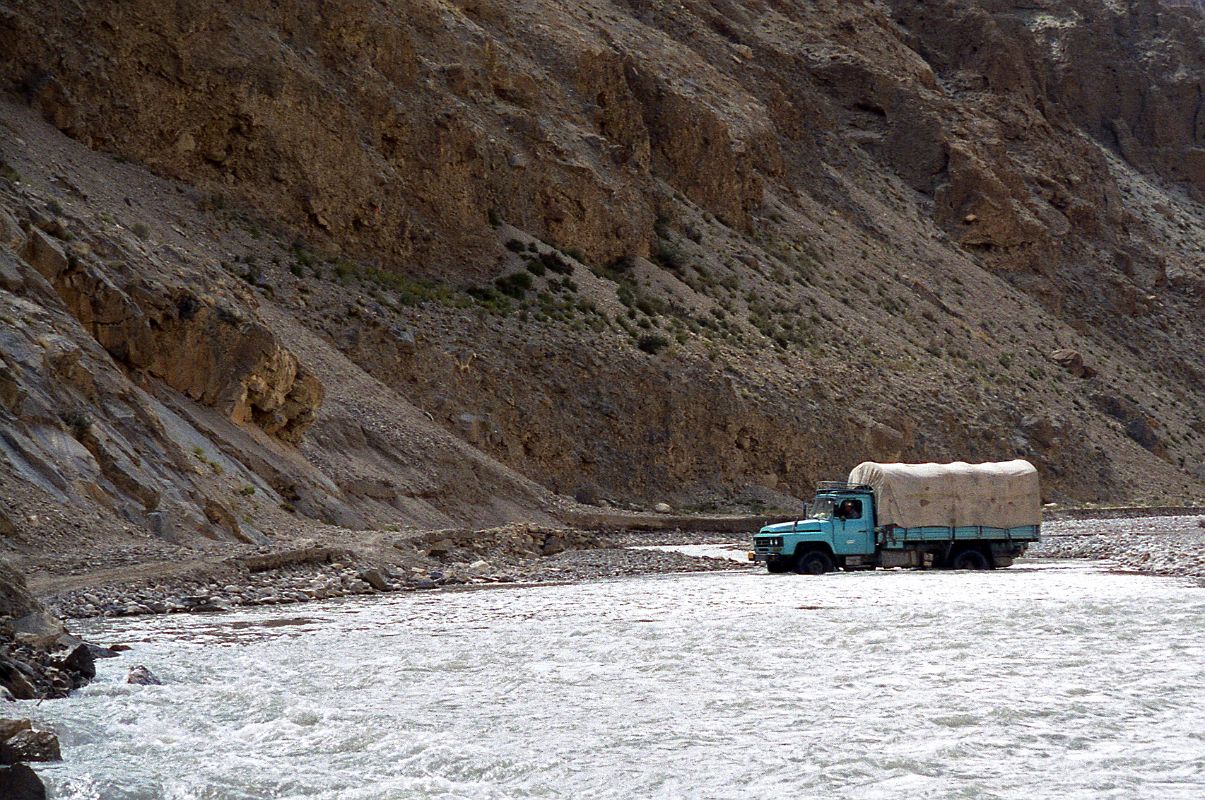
<point x="1056" y="680"/>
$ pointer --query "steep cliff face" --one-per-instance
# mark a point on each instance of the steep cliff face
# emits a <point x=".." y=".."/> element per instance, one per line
<point x="630" y="250"/>
<point x="149" y="400"/>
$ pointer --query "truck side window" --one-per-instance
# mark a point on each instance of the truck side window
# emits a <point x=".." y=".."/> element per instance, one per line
<point x="850" y="509"/>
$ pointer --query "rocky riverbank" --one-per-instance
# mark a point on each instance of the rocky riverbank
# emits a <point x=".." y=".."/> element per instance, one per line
<point x="511" y="554"/>
<point x="38" y="660"/>
<point x="1162" y="545"/>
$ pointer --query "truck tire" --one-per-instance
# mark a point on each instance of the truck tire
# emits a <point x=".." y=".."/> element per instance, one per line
<point x="776" y="566"/>
<point x="813" y="562"/>
<point x="970" y="559"/>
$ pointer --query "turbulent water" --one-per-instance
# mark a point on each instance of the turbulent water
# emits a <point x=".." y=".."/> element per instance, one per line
<point x="1060" y="681"/>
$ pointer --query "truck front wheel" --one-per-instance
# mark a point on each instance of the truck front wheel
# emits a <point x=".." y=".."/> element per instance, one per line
<point x="776" y="566"/>
<point x="813" y="562"/>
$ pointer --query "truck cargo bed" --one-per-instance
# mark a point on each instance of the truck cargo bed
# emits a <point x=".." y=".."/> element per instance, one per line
<point x="900" y="537"/>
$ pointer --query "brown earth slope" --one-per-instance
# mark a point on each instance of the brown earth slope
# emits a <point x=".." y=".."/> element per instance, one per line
<point x="371" y="264"/>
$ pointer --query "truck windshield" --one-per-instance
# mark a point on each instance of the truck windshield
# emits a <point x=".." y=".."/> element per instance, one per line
<point x="823" y="508"/>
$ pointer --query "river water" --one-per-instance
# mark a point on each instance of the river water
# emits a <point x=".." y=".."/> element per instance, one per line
<point x="1053" y="681"/>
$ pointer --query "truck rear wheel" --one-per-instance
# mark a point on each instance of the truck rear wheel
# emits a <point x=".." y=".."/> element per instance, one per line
<point x="813" y="562"/>
<point x="970" y="559"/>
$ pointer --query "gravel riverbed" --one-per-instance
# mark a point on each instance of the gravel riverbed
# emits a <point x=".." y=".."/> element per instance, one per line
<point x="1161" y="545"/>
<point x="1166" y="545"/>
<point x="320" y="581"/>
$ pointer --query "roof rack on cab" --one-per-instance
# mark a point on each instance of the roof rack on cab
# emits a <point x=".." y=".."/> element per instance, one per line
<point x="842" y="486"/>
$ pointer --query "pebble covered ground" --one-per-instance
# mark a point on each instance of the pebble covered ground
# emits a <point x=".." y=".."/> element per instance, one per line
<point x="1166" y="545"/>
<point x="1160" y="545"/>
<point x="319" y="581"/>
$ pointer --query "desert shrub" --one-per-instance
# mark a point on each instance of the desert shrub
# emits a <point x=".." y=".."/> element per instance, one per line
<point x="553" y="261"/>
<point x="78" y="422"/>
<point x="515" y="285"/>
<point x="669" y="256"/>
<point x="652" y="343"/>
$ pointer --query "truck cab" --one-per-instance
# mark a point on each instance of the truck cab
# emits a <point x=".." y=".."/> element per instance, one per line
<point x="838" y="531"/>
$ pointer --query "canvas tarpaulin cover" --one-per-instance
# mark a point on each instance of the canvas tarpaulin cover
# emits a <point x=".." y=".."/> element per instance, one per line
<point x="1000" y="495"/>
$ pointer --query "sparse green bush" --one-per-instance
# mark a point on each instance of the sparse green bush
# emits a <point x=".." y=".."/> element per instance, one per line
<point x="652" y="343"/>
<point x="8" y="173"/>
<point x="78" y="422"/>
<point x="553" y="261"/>
<point x="490" y="300"/>
<point x="304" y="257"/>
<point x="536" y="268"/>
<point x="515" y="285"/>
<point x="661" y="226"/>
<point x="140" y="230"/>
<point x="515" y="246"/>
<point x="669" y="256"/>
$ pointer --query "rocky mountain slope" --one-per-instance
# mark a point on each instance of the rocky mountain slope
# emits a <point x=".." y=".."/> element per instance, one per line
<point x="271" y="268"/>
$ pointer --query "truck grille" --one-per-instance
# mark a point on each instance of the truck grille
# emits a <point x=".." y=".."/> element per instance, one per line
<point x="767" y="544"/>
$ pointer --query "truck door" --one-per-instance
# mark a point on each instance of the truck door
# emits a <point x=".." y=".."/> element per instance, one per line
<point x="853" y="533"/>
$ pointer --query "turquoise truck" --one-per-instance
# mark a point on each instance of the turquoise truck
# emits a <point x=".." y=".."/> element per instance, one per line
<point x="935" y="516"/>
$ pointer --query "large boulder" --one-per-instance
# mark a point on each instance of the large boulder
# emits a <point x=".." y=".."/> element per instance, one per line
<point x="19" y="782"/>
<point x="77" y="661"/>
<point x="30" y="745"/>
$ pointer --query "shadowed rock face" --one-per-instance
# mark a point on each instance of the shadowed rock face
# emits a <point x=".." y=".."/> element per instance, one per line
<point x="19" y="782"/>
<point x="15" y="599"/>
<point x="838" y="227"/>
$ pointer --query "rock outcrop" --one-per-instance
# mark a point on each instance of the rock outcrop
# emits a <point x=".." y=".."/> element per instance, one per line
<point x="209" y="351"/>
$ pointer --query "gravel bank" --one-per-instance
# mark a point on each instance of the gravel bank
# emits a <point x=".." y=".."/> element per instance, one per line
<point x="1161" y="545"/>
<point x="517" y="555"/>
<point x="1169" y="545"/>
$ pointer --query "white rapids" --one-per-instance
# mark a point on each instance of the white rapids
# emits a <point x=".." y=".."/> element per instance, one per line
<point x="1053" y="681"/>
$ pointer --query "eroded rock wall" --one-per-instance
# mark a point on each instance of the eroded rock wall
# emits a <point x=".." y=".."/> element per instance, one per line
<point x="833" y="226"/>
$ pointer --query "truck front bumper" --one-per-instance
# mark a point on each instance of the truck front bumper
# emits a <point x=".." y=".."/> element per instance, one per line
<point x="768" y="549"/>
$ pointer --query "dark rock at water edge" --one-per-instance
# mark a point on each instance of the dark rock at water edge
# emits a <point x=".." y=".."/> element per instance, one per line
<point x="19" y="782"/>
<point x="375" y="579"/>
<point x="98" y="651"/>
<point x="141" y="676"/>
<point x="30" y="745"/>
<point x="80" y="662"/>
<point x="13" y="679"/>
